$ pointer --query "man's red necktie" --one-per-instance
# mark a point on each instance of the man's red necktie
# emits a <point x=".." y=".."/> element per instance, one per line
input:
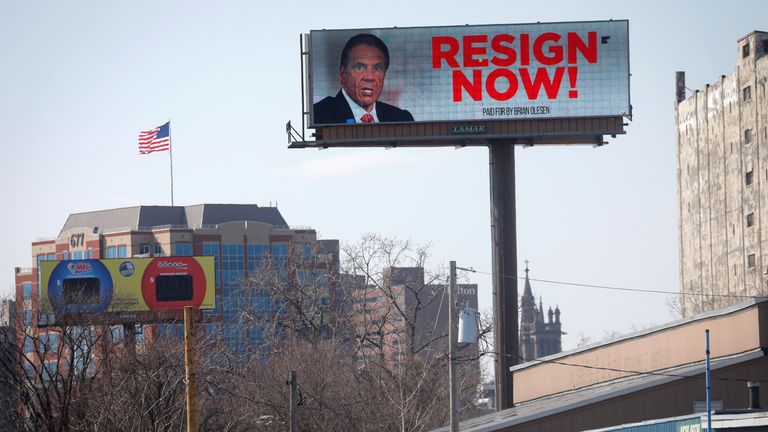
<point x="367" y="118"/>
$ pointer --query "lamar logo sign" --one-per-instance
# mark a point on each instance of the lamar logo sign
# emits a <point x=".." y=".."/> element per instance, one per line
<point x="470" y="130"/>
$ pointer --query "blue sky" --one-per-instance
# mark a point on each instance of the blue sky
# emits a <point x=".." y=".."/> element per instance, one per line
<point x="80" y="80"/>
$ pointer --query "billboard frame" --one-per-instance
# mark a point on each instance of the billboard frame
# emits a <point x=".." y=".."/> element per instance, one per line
<point x="127" y="298"/>
<point x="525" y="132"/>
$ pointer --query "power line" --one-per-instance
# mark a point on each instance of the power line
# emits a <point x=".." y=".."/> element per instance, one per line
<point x="614" y="288"/>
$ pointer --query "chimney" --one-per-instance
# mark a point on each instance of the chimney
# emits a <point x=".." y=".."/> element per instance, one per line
<point x="754" y="394"/>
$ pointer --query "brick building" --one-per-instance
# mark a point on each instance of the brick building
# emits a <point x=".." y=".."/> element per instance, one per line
<point x="240" y="237"/>
<point x="403" y="310"/>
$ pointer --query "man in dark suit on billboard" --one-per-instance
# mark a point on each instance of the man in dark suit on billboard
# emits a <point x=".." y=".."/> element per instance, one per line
<point x="363" y="66"/>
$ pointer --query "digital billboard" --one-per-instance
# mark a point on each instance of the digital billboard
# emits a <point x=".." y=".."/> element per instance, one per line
<point x="465" y="73"/>
<point x="116" y="286"/>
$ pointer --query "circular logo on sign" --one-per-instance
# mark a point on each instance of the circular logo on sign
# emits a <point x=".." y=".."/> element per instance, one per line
<point x="127" y="269"/>
<point x="82" y="286"/>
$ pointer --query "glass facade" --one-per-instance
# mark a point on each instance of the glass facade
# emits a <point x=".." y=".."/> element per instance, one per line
<point x="232" y="292"/>
<point x="111" y="252"/>
<point x="182" y="249"/>
<point x="26" y="290"/>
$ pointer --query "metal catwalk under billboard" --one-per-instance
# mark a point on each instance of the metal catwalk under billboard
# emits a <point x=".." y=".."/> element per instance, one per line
<point x="456" y="73"/>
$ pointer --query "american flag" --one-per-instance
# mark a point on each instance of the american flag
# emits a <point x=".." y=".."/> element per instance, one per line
<point x="155" y="140"/>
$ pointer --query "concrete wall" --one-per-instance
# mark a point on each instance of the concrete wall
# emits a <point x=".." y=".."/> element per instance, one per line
<point x="722" y="210"/>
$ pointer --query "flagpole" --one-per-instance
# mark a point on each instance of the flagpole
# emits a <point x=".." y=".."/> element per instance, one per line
<point x="170" y="152"/>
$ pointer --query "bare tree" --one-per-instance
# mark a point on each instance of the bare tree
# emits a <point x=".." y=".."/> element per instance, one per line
<point x="369" y="348"/>
<point x="52" y="371"/>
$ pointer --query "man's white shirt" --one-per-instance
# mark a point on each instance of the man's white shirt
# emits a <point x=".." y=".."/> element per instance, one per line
<point x="357" y="111"/>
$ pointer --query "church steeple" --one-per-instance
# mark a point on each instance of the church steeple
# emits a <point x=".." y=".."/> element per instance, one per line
<point x="527" y="303"/>
<point x="539" y="337"/>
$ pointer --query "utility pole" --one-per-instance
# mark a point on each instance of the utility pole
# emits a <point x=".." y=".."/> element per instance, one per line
<point x="189" y="367"/>
<point x="452" y="390"/>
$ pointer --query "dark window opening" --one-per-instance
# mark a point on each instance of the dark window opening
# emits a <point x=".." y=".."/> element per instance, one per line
<point x="748" y="178"/>
<point x="750" y="219"/>
<point x="751" y="260"/>
<point x="765" y="47"/>
<point x="745" y="50"/>
<point x="81" y="291"/>
<point x="173" y="288"/>
<point x="747" y="136"/>
<point x="747" y="93"/>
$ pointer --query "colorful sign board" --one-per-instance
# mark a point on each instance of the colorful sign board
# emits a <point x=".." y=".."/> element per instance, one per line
<point x="126" y="285"/>
<point x="463" y="73"/>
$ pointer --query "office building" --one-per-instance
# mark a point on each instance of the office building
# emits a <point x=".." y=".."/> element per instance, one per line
<point x="404" y="311"/>
<point x="722" y="172"/>
<point x="242" y="238"/>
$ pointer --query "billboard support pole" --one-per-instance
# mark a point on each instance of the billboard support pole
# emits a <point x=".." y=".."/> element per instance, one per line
<point x="504" y="253"/>
<point x="190" y="369"/>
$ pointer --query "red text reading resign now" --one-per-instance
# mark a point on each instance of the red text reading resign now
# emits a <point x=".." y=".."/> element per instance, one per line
<point x="511" y="55"/>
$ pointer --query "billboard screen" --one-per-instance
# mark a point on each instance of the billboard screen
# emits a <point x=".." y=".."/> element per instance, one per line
<point x="119" y="286"/>
<point x="460" y="73"/>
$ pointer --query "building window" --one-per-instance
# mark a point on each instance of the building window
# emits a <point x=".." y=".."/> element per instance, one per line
<point x="750" y="219"/>
<point x="90" y="253"/>
<point x="765" y="47"/>
<point x="26" y="291"/>
<point x="65" y="255"/>
<point x="748" y="178"/>
<point x="182" y="249"/>
<point x="745" y="50"/>
<point x="117" y="334"/>
<point x="747" y="136"/>
<point x="27" y="317"/>
<point x="29" y="344"/>
<point x="111" y="252"/>
<point x="49" y="342"/>
<point x="158" y="250"/>
<point x="751" y="261"/>
<point x="747" y="93"/>
<point x="122" y="251"/>
<point x="144" y="249"/>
